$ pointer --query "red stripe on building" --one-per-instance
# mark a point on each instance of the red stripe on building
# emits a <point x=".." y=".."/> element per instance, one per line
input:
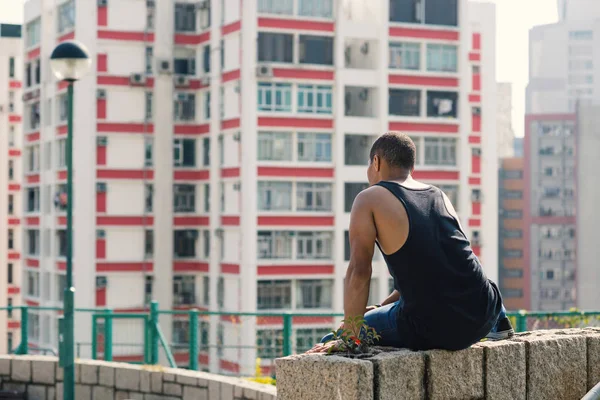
<point x="474" y="57"/>
<point x="101" y="202"/>
<point x="62" y="130"/>
<point x="230" y="124"/>
<point x="230" y="28"/>
<point x="124" y="221"/>
<point x="477" y="41"/>
<point x="474" y="139"/>
<point x="124" y="174"/>
<point x="33" y="179"/>
<point x="230" y="76"/>
<point x="33" y="137"/>
<point x="190" y="266"/>
<point x="476" y="123"/>
<point x="232" y="172"/>
<point x="295" y="220"/>
<point x="295" y="269"/>
<point x="299" y="172"/>
<point x="32" y="220"/>
<point x="101" y="155"/>
<point x="14" y="152"/>
<point x="32" y="303"/>
<point x="293" y="122"/>
<point x="67" y="36"/>
<point x="230" y="268"/>
<point x="295" y="24"/>
<point x="102" y="63"/>
<point x="31" y="54"/>
<point x="61" y="265"/>
<point x="191" y="221"/>
<point x="61" y="220"/>
<point x="126" y="36"/>
<point x="229" y="366"/>
<point x="434" y="175"/>
<point x="14" y="255"/>
<point x="476" y="82"/>
<point x="230" y="220"/>
<point x="15" y="84"/>
<point x="100" y="297"/>
<point x="14" y="290"/>
<point x="182" y="38"/>
<point x="423" y="127"/>
<point x="422" y="80"/>
<point x="13" y="119"/>
<point x="100" y="248"/>
<point x="474" y="222"/>
<point x="61" y="175"/>
<point x="199" y="129"/>
<point x="124" y="127"/>
<point x="191" y="175"/>
<point x="475" y="164"/>
<point x="13" y="221"/>
<point x="30" y="262"/>
<point x="124" y="267"/>
<point x="297" y="73"/>
<point x="101" y="108"/>
<point x="13" y="187"/>
<point x="474" y="181"/>
<point x="423" y="33"/>
<point x="13" y="325"/>
<point x="476" y="208"/>
<point x="474" y="98"/>
<point x="111" y="80"/>
<point x="62" y="85"/>
<point x="102" y="16"/>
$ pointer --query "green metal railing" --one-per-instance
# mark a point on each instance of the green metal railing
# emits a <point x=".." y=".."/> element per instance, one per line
<point x="103" y="343"/>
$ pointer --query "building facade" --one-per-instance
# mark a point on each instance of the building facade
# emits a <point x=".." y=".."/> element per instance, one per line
<point x="505" y="132"/>
<point x="11" y="210"/>
<point x="218" y="149"/>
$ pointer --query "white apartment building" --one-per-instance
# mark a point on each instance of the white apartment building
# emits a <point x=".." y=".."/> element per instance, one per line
<point x="11" y="113"/>
<point x="219" y="147"/>
<point x="504" y="130"/>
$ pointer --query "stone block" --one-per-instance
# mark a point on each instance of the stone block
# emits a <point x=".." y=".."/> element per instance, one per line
<point x="455" y="374"/>
<point x="145" y="381"/>
<point x="187" y="378"/>
<point x="214" y="389"/>
<point x="159" y="397"/>
<point x="43" y="371"/>
<point x="555" y="365"/>
<point x="226" y="390"/>
<point x="168" y="377"/>
<point x="156" y="382"/>
<point x="121" y="395"/>
<point x="103" y="393"/>
<point x="83" y="392"/>
<point x="59" y="391"/>
<point x="52" y="394"/>
<point x="505" y="370"/>
<point x="20" y="370"/>
<point x="135" y="396"/>
<point x="593" y="359"/>
<point x="60" y="373"/>
<point x="127" y="378"/>
<point x="21" y="387"/>
<point x="319" y="376"/>
<point x="172" y="389"/>
<point x="106" y="375"/>
<point x="88" y="373"/>
<point x="238" y="391"/>
<point x="251" y="394"/>
<point x="195" y="393"/>
<point x="267" y="396"/>
<point x="399" y="375"/>
<point x="5" y="361"/>
<point x="36" y="392"/>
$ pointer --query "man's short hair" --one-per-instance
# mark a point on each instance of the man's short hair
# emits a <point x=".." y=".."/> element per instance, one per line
<point x="396" y="148"/>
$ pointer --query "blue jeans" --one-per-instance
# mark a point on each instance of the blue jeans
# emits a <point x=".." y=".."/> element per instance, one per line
<point x="383" y="320"/>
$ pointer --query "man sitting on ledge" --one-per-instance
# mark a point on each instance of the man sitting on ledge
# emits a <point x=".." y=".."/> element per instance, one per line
<point x="442" y="298"/>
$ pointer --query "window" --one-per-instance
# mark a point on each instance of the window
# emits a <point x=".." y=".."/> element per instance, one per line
<point x="315" y="8"/>
<point x="185" y="65"/>
<point x="404" y="11"/>
<point x="274" y="196"/>
<point x="442" y="58"/>
<point x="513" y="233"/>
<point x="11" y="136"/>
<point x="11" y="170"/>
<point x="512" y="174"/>
<point x="11" y="67"/>
<point x="206" y="197"/>
<point x="314" y="245"/>
<point x="38" y="72"/>
<point x="206" y="245"/>
<point x="221" y="292"/>
<point x="32" y="31"/>
<point x="61" y="146"/>
<point x="61" y="243"/>
<point x="33" y="242"/>
<point x="513" y="194"/>
<point x="314" y="293"/>
<point x="10" y="276"/>
<point x="33" y="283"/>
<point x="11" y="239"/>
<point x="274" y="97"/>
<point x="282" y="7"/>
<point x="351" y="190"/>
<point x="66" y="16"/>
<point x="313" y="196"/>
<point x="207" y="105"/>
<point x="9" y="304"/>
<point x="149" y="55"/>
<point x="181" y="334"/>
<point x="405" y="56"/>
<point x="184" y="290"/>
<point x="184" y="198"/>
<point x="34" y="115"/>
<point x="206" y="59"/>
<point x="184" y="107"/>
<point x="11" y="204"/>
<point x="440" y="151"/>
<point x="314" y="147"/>
<point x="274" y="245"/>
<point x="315" y="99"/>
<point x="63" y="108"/>
<point x="185" y="17"/>
<point x="28" y="80"/>
<point x="404" y="102"/>
<point x="185" y="243"/>
<point x="274" y="295"/>
<point x="33" y="199"/>
<point x="148" y="243"/>
<point x="581" y="35"/>
<point x="269" y="343"/>
<point x="512" y="273"/>
<point x="205" y="290"/>
<point x="512" y="214"/>
<point x="315" y="49"/>
<point x="148" y="147"/>
<point x="441" y="12"/>
<point x="306" y="338"/>
<point x="452" y="192"/>
<point x="148" y="197"/>
<point x="184" y="152"/>
<point x="442" y="104"/>
<point x="206" y="152"/>
<point x="512" y="292"/>
<point x="275" y="47"/>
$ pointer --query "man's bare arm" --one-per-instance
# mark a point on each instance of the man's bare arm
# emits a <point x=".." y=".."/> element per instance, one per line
<point x="392" y="298"/>
<point x="363" y="234"/>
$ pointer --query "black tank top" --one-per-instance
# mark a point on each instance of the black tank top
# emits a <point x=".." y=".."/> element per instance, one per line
<point x="448" y="300"/>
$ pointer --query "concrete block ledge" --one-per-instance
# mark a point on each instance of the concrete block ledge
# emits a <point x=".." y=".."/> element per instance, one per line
<point x="41" y="379"/>
<point x="547" y="364"/>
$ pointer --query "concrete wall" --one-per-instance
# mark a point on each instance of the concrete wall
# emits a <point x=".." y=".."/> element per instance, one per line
<point x="41" y="378"/>
<point x="551" y="364"/>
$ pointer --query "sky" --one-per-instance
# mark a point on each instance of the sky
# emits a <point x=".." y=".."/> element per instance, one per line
<point x="514" y="19"/>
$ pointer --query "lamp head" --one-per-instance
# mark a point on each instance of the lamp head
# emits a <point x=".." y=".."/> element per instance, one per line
<point x="70" y="61"/>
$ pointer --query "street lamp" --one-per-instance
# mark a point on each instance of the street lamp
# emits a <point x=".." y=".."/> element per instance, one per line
<point x="69" y="62"/>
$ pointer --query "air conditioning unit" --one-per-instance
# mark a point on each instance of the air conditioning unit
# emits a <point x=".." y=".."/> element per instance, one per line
<point x="264" y="71"/>
<point x="102" y="141"/>
<point x="137" y="79"/>
<point x="101" y="94"/>
<point x="102" y="3"/>
<point x="205" y="81"/>
<point x="237" y="186"/>
<point x="203" y="5"/>
<point x="164" y="66"/>
<point x="237" y="137"/>
<point x="181" y="81"/>
<point x="476" y="151"/>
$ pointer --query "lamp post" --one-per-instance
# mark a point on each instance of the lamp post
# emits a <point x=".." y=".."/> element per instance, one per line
<point x="69" y="62"/>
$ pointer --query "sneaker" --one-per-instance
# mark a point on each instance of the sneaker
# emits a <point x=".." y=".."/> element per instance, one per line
<point x="502" y="330"/>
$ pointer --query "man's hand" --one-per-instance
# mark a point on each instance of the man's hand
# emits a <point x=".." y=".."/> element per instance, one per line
<point x="325" y="347"/>
<point x="370" y="308"/>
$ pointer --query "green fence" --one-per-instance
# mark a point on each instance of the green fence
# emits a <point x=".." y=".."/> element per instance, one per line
<point x="138" y="337"/>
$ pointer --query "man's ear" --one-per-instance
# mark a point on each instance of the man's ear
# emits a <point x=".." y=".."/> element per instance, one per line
<point x="377" y="162"/>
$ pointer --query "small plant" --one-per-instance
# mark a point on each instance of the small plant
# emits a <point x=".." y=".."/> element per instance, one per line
<point x="355" y="338"/>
